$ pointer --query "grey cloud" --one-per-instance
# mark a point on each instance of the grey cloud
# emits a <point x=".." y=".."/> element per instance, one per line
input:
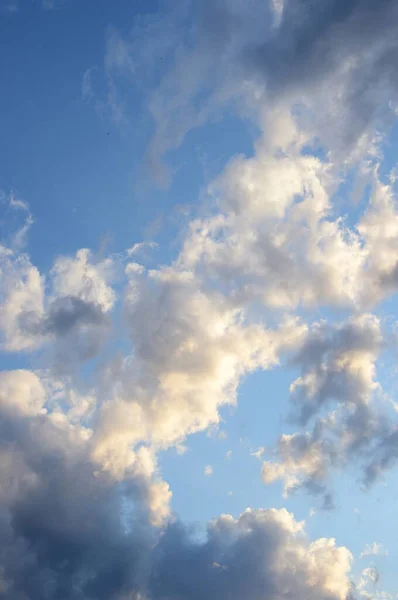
<point x="315" y="36"/>
<point x="69" y="532"/>
<point x="62" y="530"/>
<point x="70" y="312"/>
<point x="336" y="55"/>
<point x="79" y="327"/>
<point x="315" y="40"/>
<point x="337" y="375"/>
<point x="240" y="559"/>
<point x="63" y="536"/>
<point x="326" y="360"/>
<point x="384" y="455"/>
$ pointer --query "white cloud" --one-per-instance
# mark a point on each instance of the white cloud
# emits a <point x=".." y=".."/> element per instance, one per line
<point x="191" y="347"/>
<point x="17" y="203"/>
<point x="374" y="550"/>
<point x="208" y="470"/>
<point x="22" y="293"/>
<point x="21" y="392"/>
<point x="75" y="462"/>
<point x="83" y="278"/>
<point x="68" y="308"/>
<point x="259" y="452"/>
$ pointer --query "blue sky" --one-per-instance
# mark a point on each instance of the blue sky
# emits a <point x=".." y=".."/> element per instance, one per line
<point x="198" y="280"/>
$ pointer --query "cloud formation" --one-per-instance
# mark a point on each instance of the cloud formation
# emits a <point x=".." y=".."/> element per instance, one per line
<point x="261" y="554"/>
<point x="336" y="58"/>
<point x="84" y="511"/>
<point x="73" y="313"/>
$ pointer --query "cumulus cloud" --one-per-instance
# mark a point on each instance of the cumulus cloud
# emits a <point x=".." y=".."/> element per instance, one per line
<point x="337" y="391"/>
<point x="84" y="512"/>
<point x="61" y="522"/>
<point x="73" y="313"/>
<point x="191" y="349"/>
<point x="68" y="531"/>
<point x="208" y="470"/>
<point x="338" y="364"/>
<point x="260" y="554"/>
<point x="22" y="293"/>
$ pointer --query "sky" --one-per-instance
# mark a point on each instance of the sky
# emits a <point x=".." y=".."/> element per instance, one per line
<point x="198" y="312"/>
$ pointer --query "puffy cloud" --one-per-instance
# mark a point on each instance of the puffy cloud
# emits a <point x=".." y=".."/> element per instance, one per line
<point x="305" y="459"/>
<point x="369" y="579"/>
<point x="191" y="348"/>
<point x="379" y="229"/>
<point x="21" y="392"/>
<point x="208" y="470"/>
<point x="22" y="294"/>
<point x="261" y="554"/>
<point x="82" y="497"/>
<point x="72" y="314"/>
<point x="338" y="378"/>
<point x="68" y="530"/>
<point x="274" y="238"/>
<point x="338" y="365"/>
<point x="83" y="278"/>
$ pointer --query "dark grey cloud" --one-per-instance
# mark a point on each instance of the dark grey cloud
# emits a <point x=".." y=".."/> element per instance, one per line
<point x="62" y="529"/>
<point x="315" y="36"/>
<point x="70" y="312"/>
<point x="315" y="40"/>
<point x="78" y="327"/>
<point x="338" y="57"/>
<point x="254" y="557"/>
<point x="68" y="532"/>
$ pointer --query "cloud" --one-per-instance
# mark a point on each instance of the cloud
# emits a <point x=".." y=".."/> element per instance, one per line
<point x="22" y="293"/>
<point x="73" y="314"/>
<point x="312" y="53"/>
<point x="18" y="204"/>
<point x="305" y="460"/>
<point x="82" y="277"/>
<point x="208" y="470"/>
<point x="338" y="364"/>
<point x="260" y="554"/>
<point x="69" y="531"/>
<point x="336" y="391"/>
<point x="191" y="348"/>
<point x="258" y="453"/>
<point x="374" y="550"/>
<point x="61" y="520"/>
<point x="84" y="512"/>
